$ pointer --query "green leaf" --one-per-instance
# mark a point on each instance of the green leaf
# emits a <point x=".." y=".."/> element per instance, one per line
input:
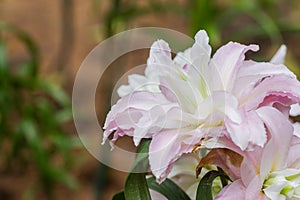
<point x="3" y="56"/>
<point x="204" y="190"/>
<point x="136" y="187"/>
<point x="28" y="43"/>
<point x="119" y="196"/>
<point x="55" y="92"/>
<point x="141" y="162"/>
<point x="224" y="179"/>
<point x="168" y="188"/>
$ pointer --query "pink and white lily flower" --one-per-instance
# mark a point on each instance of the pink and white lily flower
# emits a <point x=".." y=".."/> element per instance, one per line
<point x="271" y="172"/>
<point x="180" y="101"/>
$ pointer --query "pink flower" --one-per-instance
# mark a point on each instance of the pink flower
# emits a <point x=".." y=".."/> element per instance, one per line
<point x="271" y="172"/>
<point x="180" y="101"/>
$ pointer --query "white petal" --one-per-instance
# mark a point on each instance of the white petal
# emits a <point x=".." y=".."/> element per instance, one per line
<point x="278" y="58"/>
<point x="295" y="110"/>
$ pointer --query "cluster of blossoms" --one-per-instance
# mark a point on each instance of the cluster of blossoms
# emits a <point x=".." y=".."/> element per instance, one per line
<point x="238" y="109"/>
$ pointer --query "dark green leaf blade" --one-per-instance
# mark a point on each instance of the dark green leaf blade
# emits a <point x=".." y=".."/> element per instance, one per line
<point x="204" y="190"/>
<point x="136" y="187"/>
<point x="168" y="188"/>
<point x="119" y="196"/>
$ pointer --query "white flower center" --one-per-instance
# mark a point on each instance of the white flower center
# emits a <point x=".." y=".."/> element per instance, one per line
<point x="282" y="185"/>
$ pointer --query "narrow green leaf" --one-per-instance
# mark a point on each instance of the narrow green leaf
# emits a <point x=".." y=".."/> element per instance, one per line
<point x="204" y="190"/>
<point x="119" y="196"/>
<point x="28" y="43"/>
<point x="136" y="187"/>
<point x="224" y="179"/>
<point x="3" y="56"/>
<point x="168" y="188"/>
<point x="141" y="163"/>
<point x="55" y="92"/>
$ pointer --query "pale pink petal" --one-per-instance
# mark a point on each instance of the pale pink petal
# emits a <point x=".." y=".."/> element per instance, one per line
<point x="248" y="171"/>
<point x="263" y="69"/>
<point x="295" y="110"/>
<point x="293" y="160"/>
<point x="276" y="150"/>
<point x="139" y="110"/>
<point x="186" y="94"/>
<point x="183" y="59"/>
<point x="280" y="86"/>
<point x="222" y="142"/>
<point x="195" y="59"/>
<point x="201" y="49"/>
<point x="226" y="63"/>
<point x="254" y="157"/>
<point x="280" y="101"/>
<point x="296" y="126"/>
<point x="279" y="56"/>
<point x="166" y="147"/>
<point x="183" y="173"/>
<point x="149" y="124"/>
<point x="253" y="73"/>
<point x="253" y="190"/>
<point x="220" y="102"/>
<point x="138" y="82"/>
<point x="235" y="190"/>
<point x="159" y="62"/>
<point x="250" y="131"/>
<point x="200" y="56"/>
<point x="186" y="165"/>
<point x="156" y="195"/>
<point x="163" y="151"/>
<point x="160" y="53"/>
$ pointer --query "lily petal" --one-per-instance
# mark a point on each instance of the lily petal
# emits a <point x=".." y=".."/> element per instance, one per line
<point x="132" y="111"/>
<point x="250" y="131"/>
<point x="163" y="151"/>
<point x="280" y="86"/>
<point x="166" y="147"/>
<point x="253" y="190"/>
<point x="227" y="61"/>
<point x="235" y="190"/>
<point x="295" y="110"/>
<point x="279" y="56"/>
<point x="276" y="150"/>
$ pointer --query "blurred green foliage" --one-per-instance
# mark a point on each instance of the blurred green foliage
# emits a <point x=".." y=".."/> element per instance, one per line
<point x="268" y="23"/>
<point x="264" y="18"/>
<point x="206" y="14"/>
<point x="32" y="113"/>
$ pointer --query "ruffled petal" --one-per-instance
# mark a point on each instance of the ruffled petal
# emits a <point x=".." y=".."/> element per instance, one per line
<point x="250" y="131"/>
<point x="138" y="83"/>
<point x="166" y="147"/>
<point x="226" y="63"/>
<point x="160" y="53"/>
<point x="253" y="73"/>
<point x="141" y="114"/>
<point x="280" y="86"/>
